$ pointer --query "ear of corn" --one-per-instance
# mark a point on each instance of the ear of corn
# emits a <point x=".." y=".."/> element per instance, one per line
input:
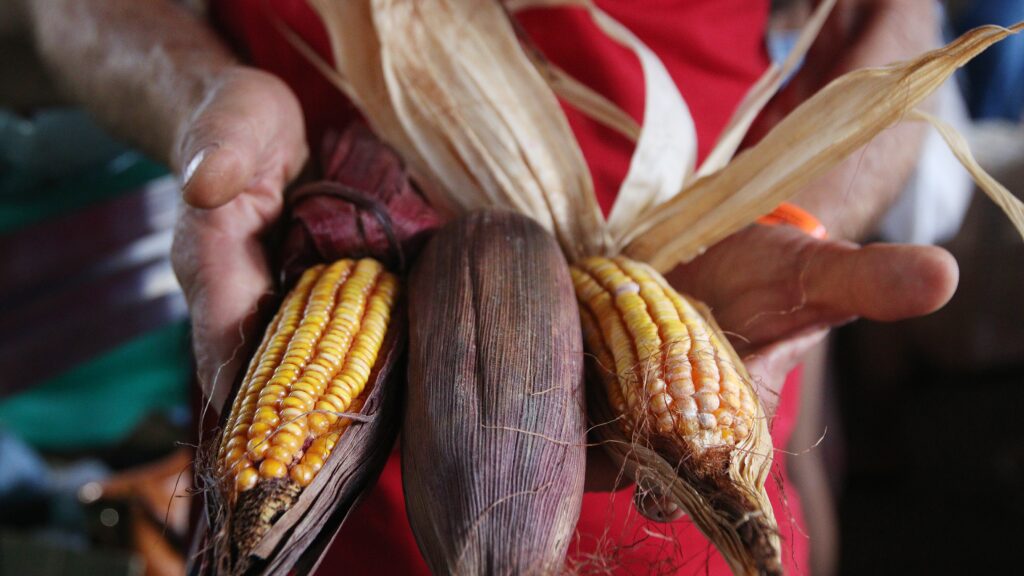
<point x="673" y="378"/>
<point x="493" y="443"/>
<point x="678" y="392"/>
<point x="312" y="366"/>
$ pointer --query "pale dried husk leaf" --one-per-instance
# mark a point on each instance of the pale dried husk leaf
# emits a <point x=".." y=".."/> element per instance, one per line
<point x="409" y="64"/>
<point x="999" y="194"/>
<point x="568" y="88"/>
<point x="814" y="138"/>
<point x="666" y="146"/>
<point x="484" y="135"/>
<point x="583" y="98"/>
<point x="761" y="93"/>
<point x="357" y="55"/>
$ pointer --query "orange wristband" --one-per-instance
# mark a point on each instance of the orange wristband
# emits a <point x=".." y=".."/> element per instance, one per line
<point x="797" y="217"/>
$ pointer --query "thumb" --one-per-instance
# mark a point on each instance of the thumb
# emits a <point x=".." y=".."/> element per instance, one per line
<point x="226" y="281"/>
<point x="218" y="171"/>
<point x="249" y="130"/>
<point x="883" y="282"/>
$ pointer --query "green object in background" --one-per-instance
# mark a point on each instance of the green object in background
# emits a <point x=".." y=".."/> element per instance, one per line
<point x="53" y="163"/>
<point x="101" y="401"/>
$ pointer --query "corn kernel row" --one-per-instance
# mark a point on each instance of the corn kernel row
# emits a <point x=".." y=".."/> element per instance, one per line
<point x="667" y="370"/>
<point x="313" y="363"/>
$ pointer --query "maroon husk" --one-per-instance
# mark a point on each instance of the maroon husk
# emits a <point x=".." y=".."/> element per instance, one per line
<point x="365" y="206"/>
<point x="493" y="442"/>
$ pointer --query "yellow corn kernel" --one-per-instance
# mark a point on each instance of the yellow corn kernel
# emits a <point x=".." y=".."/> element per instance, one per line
<point x="313" y="461"/>
<point x="246" y="479"/>
<point x="271" y="468"/>
<point x="314" y="362"/>
<point x="302" y="475"/>
<point x="666" y="368"/>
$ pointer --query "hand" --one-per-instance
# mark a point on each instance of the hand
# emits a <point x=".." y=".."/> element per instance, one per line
<point x="776" y="291"/>
<point x="236" y="154"/>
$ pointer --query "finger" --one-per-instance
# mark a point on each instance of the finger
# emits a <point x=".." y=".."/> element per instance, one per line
<point x="883" y="282"/>
<point x="218" y="172"/>
<point x="250" y="130"/>
<point x="769" y="366"/>
<point x="656" y="507"/>
<point x="229" y="154"/>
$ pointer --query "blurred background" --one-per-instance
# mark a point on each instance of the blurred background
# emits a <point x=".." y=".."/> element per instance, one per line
<point x="909" y="457"/>
<point x="95" y="364"/>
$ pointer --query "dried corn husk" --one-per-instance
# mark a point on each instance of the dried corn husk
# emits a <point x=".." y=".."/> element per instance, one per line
<point x="494" y="437"/>
<point x="814" y="138"/>
<point x="451" y="86"/>
<point x="475" y="135"/>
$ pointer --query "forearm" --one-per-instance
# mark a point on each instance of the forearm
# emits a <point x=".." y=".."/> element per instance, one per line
<point x="142" y="67"/>
<point x="850" y="199"/>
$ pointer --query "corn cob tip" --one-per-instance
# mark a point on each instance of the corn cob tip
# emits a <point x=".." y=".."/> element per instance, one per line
<point x="666" y="368"/>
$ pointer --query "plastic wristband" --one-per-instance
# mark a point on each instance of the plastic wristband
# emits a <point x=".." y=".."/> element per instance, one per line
<point x="797" y="217"/>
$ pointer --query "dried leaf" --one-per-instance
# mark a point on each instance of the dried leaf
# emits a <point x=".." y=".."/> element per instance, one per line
<point x="586" y="100"/>
<point x="815" y="137"/>
<point x="1011" y="206"/>
<point x="666" y="148"/>
<point x="478" y="133"/>
<point x="493" y="443"/>
<point x="761" y="93"/>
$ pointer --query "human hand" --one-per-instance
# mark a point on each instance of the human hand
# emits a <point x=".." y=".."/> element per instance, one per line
<point x="235" y="154"/>
<point x="775" y="291"/>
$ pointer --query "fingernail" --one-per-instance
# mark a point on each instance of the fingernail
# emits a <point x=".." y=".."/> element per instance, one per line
<point x="193" y="165"/>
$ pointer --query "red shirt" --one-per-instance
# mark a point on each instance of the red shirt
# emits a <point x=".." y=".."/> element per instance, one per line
<point x="714" y="51"/>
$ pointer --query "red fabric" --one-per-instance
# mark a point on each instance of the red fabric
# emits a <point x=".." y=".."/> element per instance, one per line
<point x="714" y="51"/>
<point x="611" y="538"/>
<point x="712" y="48"/>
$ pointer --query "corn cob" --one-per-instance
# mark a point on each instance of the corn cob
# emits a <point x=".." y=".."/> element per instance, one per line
<point x="493" y="442"/>
<point x="313" y="364"/>
<point x="672" y="377"/>
<point x="318" y="409"/>
<point x="681" y="396"/>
